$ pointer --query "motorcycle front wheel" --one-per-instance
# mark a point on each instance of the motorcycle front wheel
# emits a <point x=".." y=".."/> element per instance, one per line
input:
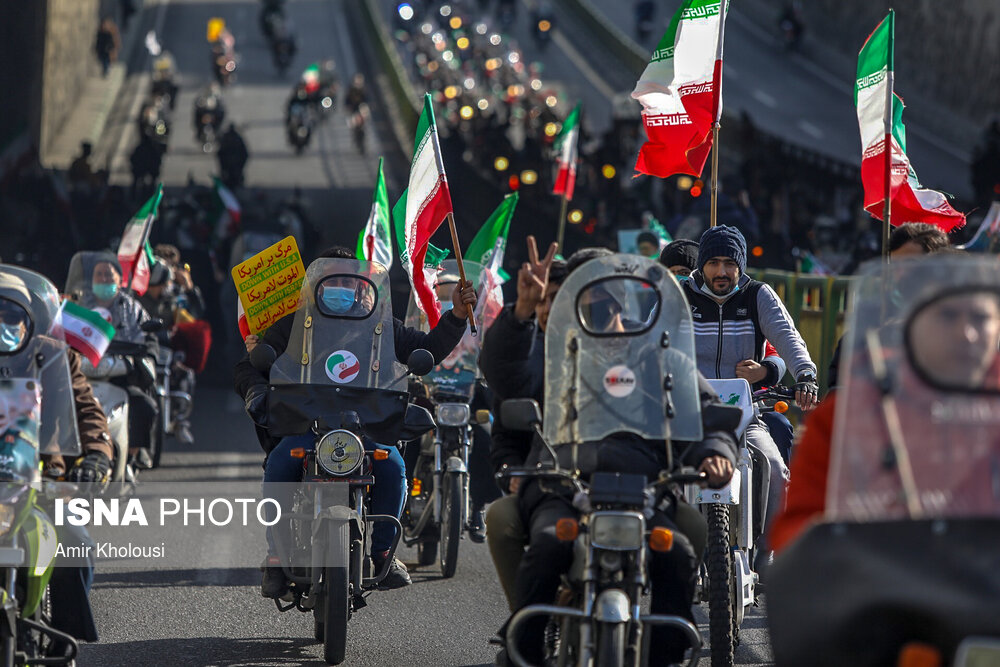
<point x="610" y="650"/>
<point x="452" y="501"/>
<point x="719" y="561"/>
<point x="336" y="603"/>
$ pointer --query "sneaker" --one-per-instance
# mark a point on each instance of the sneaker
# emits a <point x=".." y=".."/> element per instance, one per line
<point x="273" y="584"/>
<point x="182" y="431"/>
<point x="477" y="526"/>
<point x="397" y="577"/>
<point x="142" y="459"/>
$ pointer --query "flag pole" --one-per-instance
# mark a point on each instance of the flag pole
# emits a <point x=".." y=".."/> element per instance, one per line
<point x="562" y="223"/>
<point x="461" y="267"/>
<point x="887" y="121"/>
<point x="717" y="111"/>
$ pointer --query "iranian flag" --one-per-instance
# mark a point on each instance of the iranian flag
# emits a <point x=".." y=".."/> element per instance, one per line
<point x="85" y="331"/>
<point x="374" y="242"/>
<point x="565" y="145"/>
<point x="134" y="253"/>
<point x="421" y="209"/>
<point x="241" y="320"/>
<point x="681" y="92"/>
<point x="880" y="115"/>
<point x="229" y="215"/>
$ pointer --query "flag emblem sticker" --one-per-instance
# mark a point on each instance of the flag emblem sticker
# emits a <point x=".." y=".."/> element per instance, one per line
<point x="619" y="381"/>
<point x="342" y="366"/>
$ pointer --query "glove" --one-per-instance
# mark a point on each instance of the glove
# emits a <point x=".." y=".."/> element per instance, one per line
<point x="806" y="391"/>
<point x="93" y="467"/>
<point x="256" y="404"/>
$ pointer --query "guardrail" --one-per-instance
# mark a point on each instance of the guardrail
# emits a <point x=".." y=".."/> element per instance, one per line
<point x="404" y="96"/>
<point x="817" y="304"/>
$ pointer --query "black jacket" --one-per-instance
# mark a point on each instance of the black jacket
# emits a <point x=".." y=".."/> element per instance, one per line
<point x="441" y="340"/>
<point x="513" y="361"/>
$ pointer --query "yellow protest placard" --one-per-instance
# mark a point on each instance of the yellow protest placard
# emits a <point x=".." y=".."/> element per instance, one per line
<point x="215" y="28"/>
<point x="268" y="284"/>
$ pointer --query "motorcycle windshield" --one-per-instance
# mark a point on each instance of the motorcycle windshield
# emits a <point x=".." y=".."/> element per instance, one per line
<point x="44" y="361"/>
<point x="341" y="354"/>
<point x="619" y="355"/>
<point x="44" y="298"/>
<point x="917" y="424"/>
<point x="456" y="376"/>
<point x="79" y="278"/>
<point x="20" y="415"/>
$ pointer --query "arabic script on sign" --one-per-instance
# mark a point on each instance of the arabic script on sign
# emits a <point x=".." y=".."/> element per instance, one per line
<point x="268" y="284"/>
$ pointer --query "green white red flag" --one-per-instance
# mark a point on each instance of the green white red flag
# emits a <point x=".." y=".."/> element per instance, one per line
<point x="880" y="116"/>
<point x="681" y="91"/>
<point x="134" y="253"/>
<point x="228" y="220"/>
<point x="375" y="240"/>
<point x="84" y="330"/>
<point x="421" y="209"/>
<point x="565" y="147"/>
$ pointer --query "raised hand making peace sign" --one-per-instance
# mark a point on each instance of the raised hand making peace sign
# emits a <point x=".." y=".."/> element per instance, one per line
<point x="532" y="279"/>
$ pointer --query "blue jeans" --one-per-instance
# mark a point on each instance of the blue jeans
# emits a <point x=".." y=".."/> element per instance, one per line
<point x="387" y="494"/>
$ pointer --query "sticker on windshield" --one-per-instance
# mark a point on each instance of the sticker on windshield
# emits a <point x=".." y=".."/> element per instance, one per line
<point x="342" y="366"/>
<point x="619" y="381"/>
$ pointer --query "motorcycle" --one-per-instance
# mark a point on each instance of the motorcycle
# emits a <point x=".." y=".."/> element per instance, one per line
<point x="174" y="406"/>
<point x="208" y="116"/>
<point x="271" y="10"/>
<point x="339" y="380"/>
<point x="900" y="563"/>
<point x="163" y="85"/>
<point x="437" y="509"/>
<point x="543" y="21"/>
<point x="613" y="370"/>
<point x="299" y="125"/>
<point x="735" y="517"/>
<point x="357" y="122"/>
<point x="120" y="359"/>
<point x="154" y="122"/>
<point x="28" y="540"/>
<point x="283" y="49"/>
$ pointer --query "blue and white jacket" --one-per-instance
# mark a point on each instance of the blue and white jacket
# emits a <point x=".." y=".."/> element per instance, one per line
<point x="729" y="332"/>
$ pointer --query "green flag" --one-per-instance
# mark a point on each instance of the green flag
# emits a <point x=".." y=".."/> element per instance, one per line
<point x="374" y="241"/>
<point x="492" y="236"/>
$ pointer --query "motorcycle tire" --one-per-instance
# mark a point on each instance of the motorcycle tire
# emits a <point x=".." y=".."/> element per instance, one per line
<point x="610" y="650"/>
<point x="336" y="611"/>
<point x="719" y="560"/>
<point x="452" y="501"/>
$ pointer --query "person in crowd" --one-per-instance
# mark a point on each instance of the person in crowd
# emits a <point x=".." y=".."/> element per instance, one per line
<point x="107" y="45"/>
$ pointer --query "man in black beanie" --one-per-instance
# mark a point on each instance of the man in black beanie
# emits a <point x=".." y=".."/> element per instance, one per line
<point x="733" y="317"/>
<point x="680" y="257"/>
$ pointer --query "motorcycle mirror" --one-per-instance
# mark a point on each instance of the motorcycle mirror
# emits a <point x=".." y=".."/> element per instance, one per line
<point x="521" y="414"/>
<point x="482" y="416"/>
<point x="262" y="357"/>
<point x="420" y="362"/>
<point x="153" y="325"/>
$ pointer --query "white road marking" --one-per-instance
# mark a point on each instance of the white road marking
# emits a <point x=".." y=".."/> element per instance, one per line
<point x="765" y="99"/>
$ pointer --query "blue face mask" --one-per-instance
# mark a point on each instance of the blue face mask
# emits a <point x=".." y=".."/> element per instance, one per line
<point x="683" y="279"/>
<point x="338" y="300"/>
<point x="10" y="337"/>
<point x="105" y="291"/>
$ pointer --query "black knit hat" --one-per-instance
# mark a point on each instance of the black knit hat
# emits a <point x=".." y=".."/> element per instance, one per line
<point x="683" y="252"/>
<point x="723" y="241"/>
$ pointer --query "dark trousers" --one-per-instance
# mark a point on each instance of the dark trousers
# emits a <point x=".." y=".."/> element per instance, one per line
<point x="672" y="575"/>
<point x="142" y="414"/>
<point x="781" y="432"/>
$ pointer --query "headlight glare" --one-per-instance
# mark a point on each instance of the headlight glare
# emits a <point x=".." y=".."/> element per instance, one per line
<point x="452" y="414"/>
<point x="619" y="531"/>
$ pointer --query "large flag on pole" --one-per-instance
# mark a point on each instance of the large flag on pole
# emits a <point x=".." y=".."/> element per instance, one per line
<point x="375" y="241"/>
<point x="680" y="92"/>
<point x="490" y="241"/>
<point x="133" y="250"/>
<point x="85" y="330"/>
<point x="421" y="209"/>
<point x="880" y="115"/>
<point x="566" y="148"/>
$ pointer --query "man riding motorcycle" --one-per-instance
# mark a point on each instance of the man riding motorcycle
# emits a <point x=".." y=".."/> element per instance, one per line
<point x="345" y="296"/>
<point x="127" y="316"/>
<point x="27" y="320"/>
<point x="733" y="317"/>
<point x="611" y="309"/>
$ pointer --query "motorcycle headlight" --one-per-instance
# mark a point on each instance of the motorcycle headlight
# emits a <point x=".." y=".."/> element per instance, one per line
<point x="617" y="531"/>
<point x="339" y="452"/>
<point x="452" y="414"/>
<point x="7" y="514"/>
